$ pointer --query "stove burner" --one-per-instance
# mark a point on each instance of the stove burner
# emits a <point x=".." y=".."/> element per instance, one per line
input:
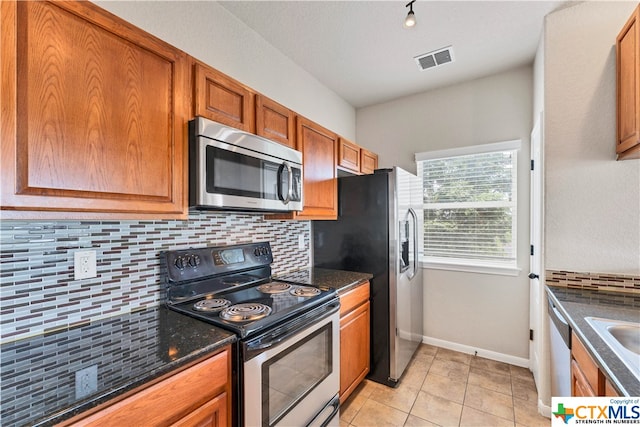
<point x="211" y="305"/>
<point x="245" y="312"/>
<point x="274" y="287"/>
<point x="305" y="291"/>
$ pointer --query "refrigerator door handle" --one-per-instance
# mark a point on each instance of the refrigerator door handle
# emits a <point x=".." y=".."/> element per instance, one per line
<point x="412" y="273"/>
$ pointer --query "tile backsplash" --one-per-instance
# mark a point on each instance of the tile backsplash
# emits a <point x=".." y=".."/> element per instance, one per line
<point x="37" y="290"/>
<point x="593" y="281"/>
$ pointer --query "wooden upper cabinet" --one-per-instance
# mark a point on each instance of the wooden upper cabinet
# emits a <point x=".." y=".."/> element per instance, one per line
<point x="220" y="98"/>
<point x="628" y="88"/>
<point x="275" y="122"/>
<point x="355" y="159"/>
<point x="318" y="147"/>
<point x="94" y="116"/>
<point x="319" y="176"/>
<point x="349" y="155"/>
<point x="368" y="161"/>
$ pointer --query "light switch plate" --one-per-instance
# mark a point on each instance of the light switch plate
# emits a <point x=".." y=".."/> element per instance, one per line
<point x="84" y="265"/>
<point x="301" y="244"/>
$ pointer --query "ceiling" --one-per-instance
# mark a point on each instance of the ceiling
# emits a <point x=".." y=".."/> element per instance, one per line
<point x="361" y="50"/>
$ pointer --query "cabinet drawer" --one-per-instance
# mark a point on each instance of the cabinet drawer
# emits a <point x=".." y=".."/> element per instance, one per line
<point x="585" y="362"/>
<point x="354" y="298"/>
<point x="170" y="399"/>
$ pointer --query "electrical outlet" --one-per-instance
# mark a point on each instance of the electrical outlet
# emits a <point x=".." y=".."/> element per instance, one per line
<point x="86" y="381"/>
<point x="301" y="244"/>
<point x="84" y="265"/>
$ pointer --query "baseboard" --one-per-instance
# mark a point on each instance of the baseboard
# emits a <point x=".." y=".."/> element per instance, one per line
<point x="487" y="354"/>
<point x="543" y="409"/>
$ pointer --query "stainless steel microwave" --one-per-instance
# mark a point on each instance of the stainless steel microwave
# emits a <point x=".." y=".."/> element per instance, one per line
<point x="235" y="170"/>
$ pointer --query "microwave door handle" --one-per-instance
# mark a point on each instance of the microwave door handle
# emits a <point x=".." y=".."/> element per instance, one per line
<point x="290" y="194"/>
<point x="286" y="166"/>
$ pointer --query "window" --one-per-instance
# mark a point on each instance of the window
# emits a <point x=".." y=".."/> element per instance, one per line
<point x="470" y="206"/>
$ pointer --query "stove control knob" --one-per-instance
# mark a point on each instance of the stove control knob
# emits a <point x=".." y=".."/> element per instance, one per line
<point x="193" y="261"/>
<point x="179" y="263"/>
<point x="256" y="251"/>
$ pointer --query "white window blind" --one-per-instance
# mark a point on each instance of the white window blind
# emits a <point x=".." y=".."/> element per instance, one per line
<point x="470" y="205"/>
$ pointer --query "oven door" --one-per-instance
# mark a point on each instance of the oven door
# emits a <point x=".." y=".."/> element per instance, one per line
<point x="294" y="378"/>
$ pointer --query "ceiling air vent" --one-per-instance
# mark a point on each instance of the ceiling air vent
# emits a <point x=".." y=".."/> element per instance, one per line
<point x="434" y="58"/>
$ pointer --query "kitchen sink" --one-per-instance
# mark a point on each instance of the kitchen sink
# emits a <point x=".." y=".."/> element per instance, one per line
<point x="623" y="338"/>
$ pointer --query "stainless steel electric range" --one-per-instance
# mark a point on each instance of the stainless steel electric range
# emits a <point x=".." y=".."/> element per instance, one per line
<point x="288" y="351"/>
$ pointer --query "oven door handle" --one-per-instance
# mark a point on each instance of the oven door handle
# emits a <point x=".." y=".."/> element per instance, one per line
<point x="256" y="346"/>
<point x="321" y="420"/>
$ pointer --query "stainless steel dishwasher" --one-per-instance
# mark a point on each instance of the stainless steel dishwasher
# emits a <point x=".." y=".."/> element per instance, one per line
<point x="560" y="346"/>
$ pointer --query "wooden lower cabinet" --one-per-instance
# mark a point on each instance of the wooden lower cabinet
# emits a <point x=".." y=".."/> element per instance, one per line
<point x="355" y="315"/>
<point x="211" y="414"/>
<point x="196" y="396"/>
<point x="587" y="380"/>
<point x="609" y="390"/>
<point x="580" y="386"/>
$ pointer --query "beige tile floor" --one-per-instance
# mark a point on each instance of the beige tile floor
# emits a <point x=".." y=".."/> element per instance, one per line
<point x="447" y="388"/>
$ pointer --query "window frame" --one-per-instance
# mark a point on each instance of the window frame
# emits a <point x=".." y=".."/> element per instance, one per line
<point x="509" y="268"/>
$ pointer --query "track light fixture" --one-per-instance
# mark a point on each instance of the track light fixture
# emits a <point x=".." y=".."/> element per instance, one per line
<point x="410" y="20"/>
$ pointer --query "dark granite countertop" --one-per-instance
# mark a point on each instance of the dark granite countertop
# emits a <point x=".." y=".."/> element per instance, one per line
<point x="576" y="304"/>
<point x="340" y="280"/>
<point x="38" y="375"/>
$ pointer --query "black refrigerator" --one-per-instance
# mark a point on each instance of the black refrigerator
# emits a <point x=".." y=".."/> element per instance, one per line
<point x="379" y="231"/>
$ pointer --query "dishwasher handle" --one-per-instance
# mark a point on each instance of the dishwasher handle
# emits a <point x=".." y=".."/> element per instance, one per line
<point x="560" y="322"/>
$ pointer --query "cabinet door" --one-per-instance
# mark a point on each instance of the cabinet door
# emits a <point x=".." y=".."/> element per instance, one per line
<point x="94" y="115"/>
<point x="349" y="155"/>
<point x="354" y="349"/>
<point x="580" y="386"/>
<point x="211" y="414"/>
<point x="275" y="122"/>
<point x="587" y="367"/>
<point x="318" y="147"/>
<point x="628" y="87"/>
<point x="220" y="98"/>
<point x="609" y="390"/>
<point x="368" y="162"/>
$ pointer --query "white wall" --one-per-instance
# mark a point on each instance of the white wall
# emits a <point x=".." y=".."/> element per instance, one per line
<point x="592" y="216"/>
<point x="591" y="220"/>
<point x="484" y="312"/>
<point x="208" y="32"/>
